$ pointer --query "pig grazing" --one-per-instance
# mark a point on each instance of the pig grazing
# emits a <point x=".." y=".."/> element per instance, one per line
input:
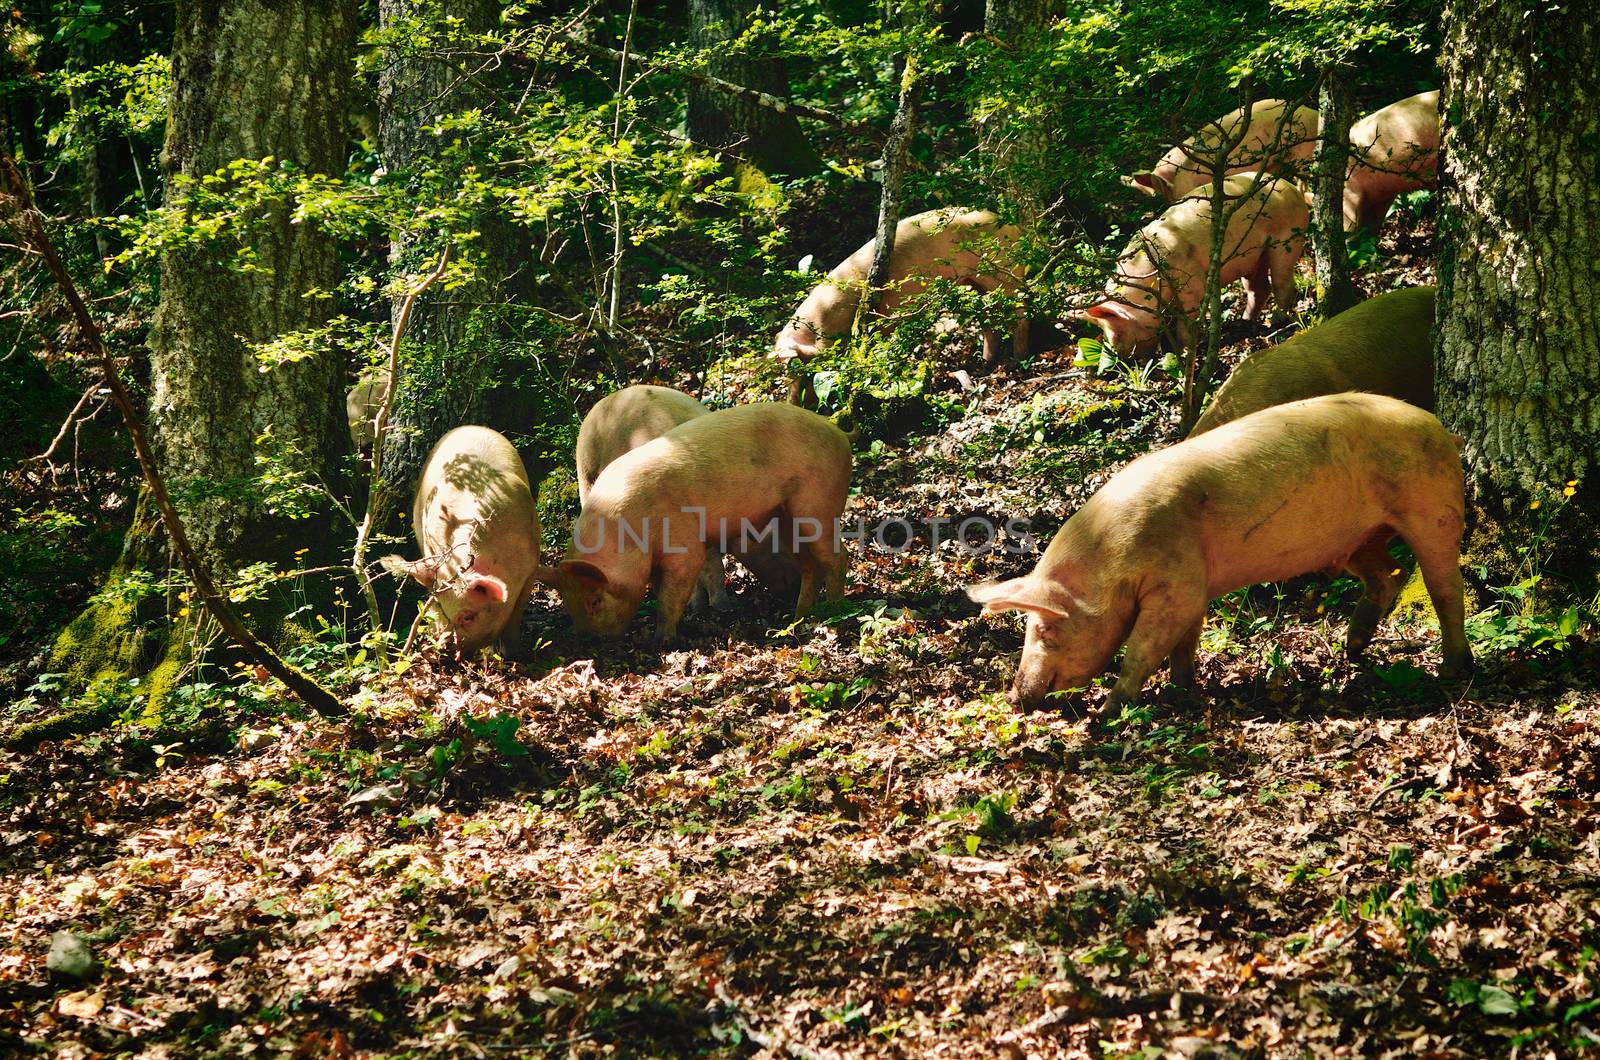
<point x="478" y="528"/>
<point x="1272" y="141"/>
<point x="1381" y="346"/>
<point x="620" y="423"/>
<point x="1312" y="485"/>
<point x="654" y="511"/>
<point x="969" y="247"/>
<point x="1160" y="277"/>
<point x="1395" y="150"/>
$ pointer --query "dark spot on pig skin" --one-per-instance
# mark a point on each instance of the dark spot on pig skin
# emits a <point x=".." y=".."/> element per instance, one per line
<point x="1265" y="519"/>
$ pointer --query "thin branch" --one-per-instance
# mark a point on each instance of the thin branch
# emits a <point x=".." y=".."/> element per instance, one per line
<point x="297" y="681"/>
<point x="377" y="495"/>
<point x="614" y="304"/>
<point x="72" y="417"/>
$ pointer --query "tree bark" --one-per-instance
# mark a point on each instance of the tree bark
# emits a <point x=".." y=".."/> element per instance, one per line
<point x="771" y="141"/>
<point x="1518" y="354"/>
<point x="251" y="79"/>
<point x="896" y="160"/>
<point x="1336" y="292"/>
<point x="1020" y="149"/>
<point x="453" y="343"/>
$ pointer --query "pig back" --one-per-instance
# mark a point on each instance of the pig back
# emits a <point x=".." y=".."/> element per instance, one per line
<point x="746" y="461"/>
<point x="1294" y="142"/>
<point x="1297" y="488"/>
<point x="625" y="420"/>
<point x="1400" y="141"/>
<point x="1381" y="346"/>
<point x="474" y="482"/>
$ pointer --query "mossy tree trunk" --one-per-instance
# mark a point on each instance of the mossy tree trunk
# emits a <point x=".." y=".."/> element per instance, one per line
<point x="1336" y="292"/>
<point x="251" y="79"/>
<point x="772" y="142"/>
<point x="1518" y="354"/>
<point x="455" y="343"/>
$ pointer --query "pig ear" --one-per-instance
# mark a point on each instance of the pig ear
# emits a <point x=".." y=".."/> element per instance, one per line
<point x="1018" y="594"/>
<point x="487" y="587"/>
<point x="550" y="576"/>
<point x="420" y="569"/>
<point x="1144" y="182"/>
<point x="1106" y="311"/>
<point x="584" y="571"/>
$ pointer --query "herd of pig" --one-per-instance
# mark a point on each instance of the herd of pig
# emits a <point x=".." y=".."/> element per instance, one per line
<point x="1313" y="456"/>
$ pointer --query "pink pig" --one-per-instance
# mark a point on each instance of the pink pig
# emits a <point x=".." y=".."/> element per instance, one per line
<point x="478" y="527"/>
<point x="970" y="247"/>
<point x="1160" y="278"/>
<point x="652" y="513"/>
<point x="1313" y="485"/>
<point x="1395" y="150"/>
<point x="1272" y="141"/>
<point x="620" y="423"/>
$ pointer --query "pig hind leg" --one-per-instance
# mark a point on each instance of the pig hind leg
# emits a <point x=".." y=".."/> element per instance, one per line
<point x="1256" y="291"/>
<point x="1438" y="552"/>
<point x="1181" y="660"/>
<point x="1375" y="567"/>
<point x="1282" y="261"/>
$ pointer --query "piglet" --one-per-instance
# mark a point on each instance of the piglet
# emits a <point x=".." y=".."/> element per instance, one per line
<point x="969" y="247"/>
<point x="478" y="528"/>
<point x="1160" y="277"/>
<point x="1381" y="346"/>
<point x="769" y="476"/>
<point x="1313" y="485"/>
<point x="1395" y="150"/>
<point x="1277" y="138"/>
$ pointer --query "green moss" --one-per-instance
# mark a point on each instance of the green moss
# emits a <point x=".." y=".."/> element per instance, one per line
<point x="106" y="641"/>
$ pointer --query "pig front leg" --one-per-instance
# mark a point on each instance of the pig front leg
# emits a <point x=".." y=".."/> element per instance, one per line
<point x="1168" y="625"/>
<point x="675" y="586"/>
<point x="711" y="589"/>
<point x="993" y="348"/>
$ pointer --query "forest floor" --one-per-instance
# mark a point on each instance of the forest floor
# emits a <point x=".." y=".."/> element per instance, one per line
<point x="836" y="838"/>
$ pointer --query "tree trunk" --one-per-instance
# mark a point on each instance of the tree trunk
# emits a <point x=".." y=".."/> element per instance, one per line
<point x="772" y="142"/>
<point x="1019" y="150"/>
<point x="1517" y="361"/>
<point x="251" y="78"/>
<point x="1518" y="358"/>
<point x="896" y="160"/>
<point x="1335" y="290"/>
<point x="453" y="340"/>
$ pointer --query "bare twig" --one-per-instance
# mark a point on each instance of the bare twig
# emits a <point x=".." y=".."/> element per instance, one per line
<point x="614" y="303"/>
<point x="72" y="417"/>
<point x="773" y="1042"/>
<point x="1087" y="1007"/>
<point x="377" y="495"/>
<point x="744" y="92"/>
<point x="296" y="680"/>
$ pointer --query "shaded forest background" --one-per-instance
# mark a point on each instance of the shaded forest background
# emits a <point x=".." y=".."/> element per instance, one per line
<point x="823" y="838"/>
